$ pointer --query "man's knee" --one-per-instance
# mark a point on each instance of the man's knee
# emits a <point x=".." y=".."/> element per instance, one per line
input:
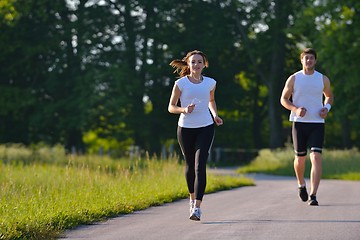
<point x="299" y="159"/>
<point x="315" y="156"/>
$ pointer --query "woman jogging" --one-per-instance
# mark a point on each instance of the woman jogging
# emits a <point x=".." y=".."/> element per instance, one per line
<point x="195" y="130"/>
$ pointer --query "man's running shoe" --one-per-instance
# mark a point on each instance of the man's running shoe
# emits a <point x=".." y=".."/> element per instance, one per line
<point x="313" y="201"/>
<point x="303" y="194"/>
<point x="192" y="205"/>
<point x="196" y="214"/>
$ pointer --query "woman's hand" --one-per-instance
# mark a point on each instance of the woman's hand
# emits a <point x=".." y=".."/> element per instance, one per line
<point x="190" y="108"/>
<point x="218" y="120"/>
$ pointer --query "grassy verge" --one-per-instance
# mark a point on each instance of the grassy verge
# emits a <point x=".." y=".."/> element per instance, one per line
<point x="337" y="164"/>
<point x="39" y="199"/>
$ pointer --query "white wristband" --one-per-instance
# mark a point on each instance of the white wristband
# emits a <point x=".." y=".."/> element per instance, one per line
<point x="328" y="106"/>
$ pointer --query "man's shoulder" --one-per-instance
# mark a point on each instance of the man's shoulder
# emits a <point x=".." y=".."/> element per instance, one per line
<point x="300" y="72"/>
<point x="317" y="72"/>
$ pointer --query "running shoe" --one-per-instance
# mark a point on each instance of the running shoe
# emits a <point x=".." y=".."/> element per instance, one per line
<point x="192" y="205"/>
<point x="196" y="214"/>
<point x="303" y="194"/>
<point x="313" y="201"/>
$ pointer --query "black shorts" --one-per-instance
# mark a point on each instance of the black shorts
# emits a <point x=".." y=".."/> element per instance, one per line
<point x="307" y="135"/>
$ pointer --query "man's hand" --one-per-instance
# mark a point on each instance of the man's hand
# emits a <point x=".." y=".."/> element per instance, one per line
<point x="323" y="112"/>
<point x="300" y="112"/>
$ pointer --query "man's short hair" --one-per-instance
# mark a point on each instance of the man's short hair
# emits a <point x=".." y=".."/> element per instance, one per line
<point x="308" y="51"/>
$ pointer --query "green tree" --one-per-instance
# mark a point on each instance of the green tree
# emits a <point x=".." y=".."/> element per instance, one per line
<point x="335" y="34"/>
<point x="99" y="70"/>
<point x="263" y="30"/>
<point x="192" y="26"/>
<point x="25" y="62"/>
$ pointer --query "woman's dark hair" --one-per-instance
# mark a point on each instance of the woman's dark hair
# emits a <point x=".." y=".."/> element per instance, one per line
<point x="182" y="67"/>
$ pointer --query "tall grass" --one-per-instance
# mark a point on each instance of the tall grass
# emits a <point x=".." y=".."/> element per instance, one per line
<point x="337" y="164"/>
<point x="44" y="194"/>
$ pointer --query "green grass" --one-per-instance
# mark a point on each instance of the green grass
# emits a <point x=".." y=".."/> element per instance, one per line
<point x="337" y="164"/>
<point x="45" y="192"/>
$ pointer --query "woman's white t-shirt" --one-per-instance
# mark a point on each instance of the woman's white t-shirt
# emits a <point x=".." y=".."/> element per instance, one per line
<point x="308" y="93"/>
<point x="198" y="94"/>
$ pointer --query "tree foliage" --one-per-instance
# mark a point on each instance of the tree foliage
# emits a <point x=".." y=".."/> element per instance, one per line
<point x="96" y="74"/>
<point x="336" y="33"/>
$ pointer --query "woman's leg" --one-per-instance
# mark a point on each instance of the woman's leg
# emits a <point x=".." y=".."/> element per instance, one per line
<point x="203" y="144"/>
<point x="186" y="139"/>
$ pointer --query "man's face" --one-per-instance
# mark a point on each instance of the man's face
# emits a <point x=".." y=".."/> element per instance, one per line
<point x="308" y="61"/>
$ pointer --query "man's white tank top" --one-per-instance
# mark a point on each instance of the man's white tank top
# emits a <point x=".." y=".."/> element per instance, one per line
<point x="308" y="93"/>
<point x="199" y="94"/>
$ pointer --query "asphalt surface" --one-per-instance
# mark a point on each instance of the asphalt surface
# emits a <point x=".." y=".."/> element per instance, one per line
<point x="271" y="210"/>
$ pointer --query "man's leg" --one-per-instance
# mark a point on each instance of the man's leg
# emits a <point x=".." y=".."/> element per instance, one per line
<point x="299" y="135"/>
<point x="299" y="167"/>
<point x="316" y="171"/>
<point x="316" y="143"/>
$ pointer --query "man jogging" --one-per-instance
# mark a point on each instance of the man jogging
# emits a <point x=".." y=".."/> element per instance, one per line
<point x="311" y="100"/>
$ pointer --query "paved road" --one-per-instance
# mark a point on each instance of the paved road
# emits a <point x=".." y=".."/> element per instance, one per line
<point x="269" y="211"/>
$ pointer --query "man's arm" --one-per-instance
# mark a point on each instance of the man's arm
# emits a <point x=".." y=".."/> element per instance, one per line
<point x="286" y="94"/>
<point x="329" y="97"/>
<point x="285" y="98"/>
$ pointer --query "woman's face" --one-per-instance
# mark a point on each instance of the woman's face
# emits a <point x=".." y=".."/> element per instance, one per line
<point x="196" y="63"/>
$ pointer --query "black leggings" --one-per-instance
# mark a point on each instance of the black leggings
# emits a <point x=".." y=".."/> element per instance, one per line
<point x="195" y="144"/>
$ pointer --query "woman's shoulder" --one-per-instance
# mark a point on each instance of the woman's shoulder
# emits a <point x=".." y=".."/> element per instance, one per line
<point x="209" y="80"/>
<point x="182" y="79"/>
<point x="182" y="82"/>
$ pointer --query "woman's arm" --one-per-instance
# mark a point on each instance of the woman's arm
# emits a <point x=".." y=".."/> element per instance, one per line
<point x="213" y="108"/>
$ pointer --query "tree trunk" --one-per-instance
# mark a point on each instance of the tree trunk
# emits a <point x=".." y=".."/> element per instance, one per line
<point x="277" y="73"/>
<point x="136" y="118"/>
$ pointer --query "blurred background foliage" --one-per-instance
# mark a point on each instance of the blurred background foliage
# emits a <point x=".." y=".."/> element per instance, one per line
<point x="94" y="75"/>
